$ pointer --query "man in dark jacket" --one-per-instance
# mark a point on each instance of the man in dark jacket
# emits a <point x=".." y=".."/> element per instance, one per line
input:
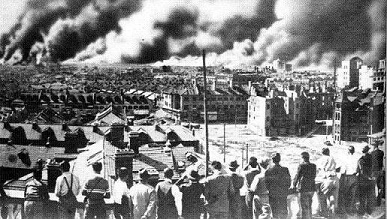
<point x="251" y="171"/>
<point x="305" y="178"/>
<point x="217" y="190"/>
<point x="193" y="205"/>
<point x="235" y="200"/>
<point x="377" y="170"/>
<point x="365" y="184"/>
<point x="169" y="197"/>
<point x="278" y="181"/>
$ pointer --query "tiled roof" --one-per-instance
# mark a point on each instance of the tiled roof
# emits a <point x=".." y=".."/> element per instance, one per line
<point x="180" y="151"/>
<point x="9" y="155"/>
<point x="33" y="134"/>
<point x="152" y="158"/>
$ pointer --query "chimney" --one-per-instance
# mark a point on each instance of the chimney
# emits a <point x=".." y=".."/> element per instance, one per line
<point x="117" y="132"/>
<point x="134" y="142"/>
<point x="36" y="127"/>
<point x="7" y="126"/>
<point x="65" y="127"/>
<point x="124" y="158"/>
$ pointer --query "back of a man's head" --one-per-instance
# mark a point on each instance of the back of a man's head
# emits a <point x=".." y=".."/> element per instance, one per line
<point x="123" y="172"/>
<point x="305" y="156"/>
<point x="264" y="163"/>
<point x="276" y="157"/>
<point x="253" y="162"/>
<point x="351" y="149"/>
<point x="37" y="174"/>
<point x="97" y="167"/>
<point x="325" y="151"/>
<point x="65" y="165"/>
<point x="216" y="165"/>
<point x="168" y="173"/>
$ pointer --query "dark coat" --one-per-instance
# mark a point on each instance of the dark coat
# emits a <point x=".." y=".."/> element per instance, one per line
<point x="305" y="177"/>
<point x="278" y="181"/>
<point x="377" y="160"/>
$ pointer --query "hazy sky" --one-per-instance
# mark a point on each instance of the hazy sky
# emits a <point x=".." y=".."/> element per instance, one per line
<point x="9" y="12"/>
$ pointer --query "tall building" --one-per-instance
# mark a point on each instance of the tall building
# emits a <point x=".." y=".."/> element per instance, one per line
<point x="378" y="79"/>
<point x="358" y="113"/>
<point x="366" y="73"/>
<point x="348" y="74"/>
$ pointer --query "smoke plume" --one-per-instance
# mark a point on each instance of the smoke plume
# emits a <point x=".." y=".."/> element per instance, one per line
<point x="305" y="33"/>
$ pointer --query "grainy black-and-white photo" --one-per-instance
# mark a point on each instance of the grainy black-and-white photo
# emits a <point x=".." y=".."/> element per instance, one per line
<point x="192" y="109"/>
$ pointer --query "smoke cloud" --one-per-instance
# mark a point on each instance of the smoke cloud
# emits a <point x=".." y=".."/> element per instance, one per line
<point x="305" y="33"/>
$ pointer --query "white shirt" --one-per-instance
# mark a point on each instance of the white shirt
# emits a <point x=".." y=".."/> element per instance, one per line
<point x="120" y="189"/>
<point x="326" y="166"/>
<point x="350" y="164"/>
<point x="61" y="186"/>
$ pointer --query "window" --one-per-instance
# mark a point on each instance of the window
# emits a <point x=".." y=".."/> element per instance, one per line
<point x="186" y="107"/>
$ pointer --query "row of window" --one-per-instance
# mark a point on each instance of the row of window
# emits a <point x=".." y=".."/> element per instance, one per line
<point x="211" y="98"/>
<point x="200" y="107"/>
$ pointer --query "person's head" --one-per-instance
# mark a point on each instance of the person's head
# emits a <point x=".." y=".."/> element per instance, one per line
<point x="253" y="162"/>
<point x="144" y="175"/>
<point x="377" y="143"/>
<point x="168" y="173"/>
<point x="351" y="149"/>
<point x="233" y="165"/>
<point x="216" y="165"/>
<point x="305" y="156"/>
<point x="123" y="173"/>
<point x="264" y="163"/>
<point x="365" y="149"/>
<point x="194" y="176"/>
<point x="276" y="158"/>
<point x="37" y="174"/>
<point x="97" y="167"/>
<point x="65" y="166"/>
<point x="325" y="151"/>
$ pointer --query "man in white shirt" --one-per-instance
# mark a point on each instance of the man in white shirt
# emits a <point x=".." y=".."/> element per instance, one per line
<point x="348" y="182"/>
<point x="329" y="189"/>
<point x="143" y="198"/>
<point x="121" y="195"/>
<point x="169" y="198"/>
<point x="63" y="183"/>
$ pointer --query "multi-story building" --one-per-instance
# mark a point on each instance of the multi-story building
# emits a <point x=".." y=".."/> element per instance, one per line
<point x="378" y="79"/>
<point x="223" y="105"/>
<point x="365" y="77"/>
<point x="358" y="113"/>
<point x="348" y="74"/>
<point x="280" y="113"/>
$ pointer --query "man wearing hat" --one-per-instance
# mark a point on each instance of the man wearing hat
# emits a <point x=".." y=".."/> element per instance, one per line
<point x="377" y="169"/>
<point x="305" y="178"/>
<point x="193" y="205"/>
<point x="278" y="181"/>
<point x="365" y="183"/>
<point x="235" y="200"/>
<point x="259" y="189"/>
<point x="143" y="198"/>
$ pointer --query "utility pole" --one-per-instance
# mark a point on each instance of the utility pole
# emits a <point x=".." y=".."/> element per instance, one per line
<point x="247" y="152"/>
<point x="205" y="111"/>
<point x="224" y="142"/>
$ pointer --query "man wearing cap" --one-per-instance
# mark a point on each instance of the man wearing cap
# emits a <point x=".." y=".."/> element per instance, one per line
<point x="347" y="189"/>
<point x="377" y="169"/>
<point x="193" y="205"/>
<point x="278" y="181"/>
<point x="365" y="183"/>
<point x="169" y="204"/>
<point x="143" y="198"/>
<point x="217" y="190"/>
<point x="121" y="195"/>
<point x="251" y="171"/>
<point x="235" y="200"/>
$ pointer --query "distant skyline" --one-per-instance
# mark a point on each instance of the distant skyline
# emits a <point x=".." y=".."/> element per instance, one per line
<point x="305" y="33"/>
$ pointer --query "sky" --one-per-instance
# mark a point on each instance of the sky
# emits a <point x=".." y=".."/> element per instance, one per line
<point x="305" y="33"/>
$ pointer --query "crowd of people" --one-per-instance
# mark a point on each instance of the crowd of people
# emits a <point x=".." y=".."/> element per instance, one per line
<point x="261" y="190"/>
